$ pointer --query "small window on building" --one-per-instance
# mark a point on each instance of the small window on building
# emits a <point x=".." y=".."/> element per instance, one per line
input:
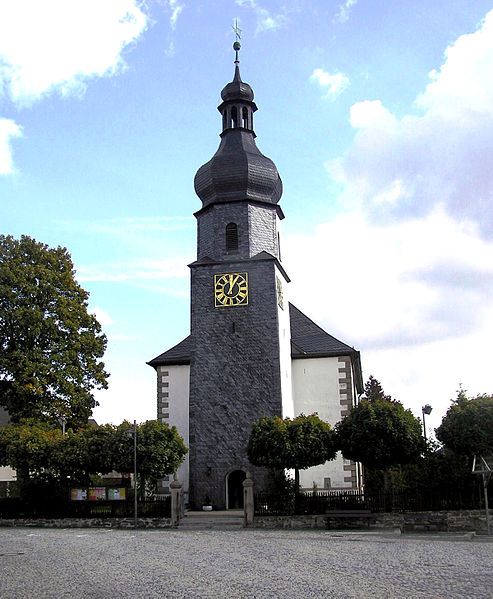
<point x="231" y="237"/>
<point x="245" y="117"/>
<point x="327" y="483"/>
<point x="165" y="372"/>
<point x="234" y="117"/>
<point x="165" y="384"/>
<point x="166" y="394"/>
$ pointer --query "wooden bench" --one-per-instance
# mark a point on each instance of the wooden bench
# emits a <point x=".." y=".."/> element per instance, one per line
<point x="348" y="517"/>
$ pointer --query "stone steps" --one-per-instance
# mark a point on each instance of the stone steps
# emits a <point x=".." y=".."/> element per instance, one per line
<point x="227" y="520"/>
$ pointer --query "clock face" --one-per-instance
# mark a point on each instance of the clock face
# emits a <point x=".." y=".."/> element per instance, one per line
<point x="231" y="289"/>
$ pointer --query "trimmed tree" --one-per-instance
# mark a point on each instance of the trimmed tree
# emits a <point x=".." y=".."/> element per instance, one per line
<point x="296" y="443"/>
<point x="50" y="346"/>
<point x="380" y="434"/>
<point x="37" y="449"/>
<point x="467" y="427"/>
<point x="160" y="451"/>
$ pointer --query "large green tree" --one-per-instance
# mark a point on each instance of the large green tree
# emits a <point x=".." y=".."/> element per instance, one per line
<point x="50" y="346"/>
<point x="380" y="433"/>
<point x="467" y="427"/>
<point x="296" y="443"/>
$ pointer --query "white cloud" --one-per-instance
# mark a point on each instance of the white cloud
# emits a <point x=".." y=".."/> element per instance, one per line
<point x="56" y="46"/>
<point x="344" y="11"/>
<point x="402" y="167"/>
<point x="418" y="281"/>
<point x="8" y="130"/>
<point x="370" y="113"/>
<point x="405" y="273"/>
<point x="414" y="297"/>
<point x="266" y="21"/>
<point x="333" y="84"/>
<point x="176" y="8"/>
<point x="463" y="86"/>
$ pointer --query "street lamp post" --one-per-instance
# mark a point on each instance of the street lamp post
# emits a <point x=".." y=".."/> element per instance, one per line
<point x="426" y="409"/>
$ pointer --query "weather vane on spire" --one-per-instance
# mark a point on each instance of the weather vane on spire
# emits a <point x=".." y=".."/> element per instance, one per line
<point x="237" y="45"/>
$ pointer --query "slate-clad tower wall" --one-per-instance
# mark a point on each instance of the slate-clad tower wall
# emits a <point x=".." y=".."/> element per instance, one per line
<point x="236" y="369"/>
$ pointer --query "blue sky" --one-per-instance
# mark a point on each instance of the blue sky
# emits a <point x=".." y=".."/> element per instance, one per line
<point x="378" y="115"/>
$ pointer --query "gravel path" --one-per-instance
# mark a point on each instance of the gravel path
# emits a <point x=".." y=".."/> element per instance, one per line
<point x="97" y="564"/>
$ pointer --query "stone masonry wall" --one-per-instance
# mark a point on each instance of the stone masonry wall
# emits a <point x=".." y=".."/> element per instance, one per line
<point x="234" y="376"/>
<point x="452" y="521"/>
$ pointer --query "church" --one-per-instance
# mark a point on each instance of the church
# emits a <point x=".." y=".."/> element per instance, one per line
<point x="250" y="352"/>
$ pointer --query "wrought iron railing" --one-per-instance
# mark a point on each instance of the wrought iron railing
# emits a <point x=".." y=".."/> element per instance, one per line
<point x="325" y="501"/>
<point x="15" y="507"/>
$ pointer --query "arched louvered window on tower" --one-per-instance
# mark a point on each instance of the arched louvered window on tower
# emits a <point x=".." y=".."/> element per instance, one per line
<point x="231" y="237"/>
<point x="234" y="117"/>
<point x="245" y="117"/>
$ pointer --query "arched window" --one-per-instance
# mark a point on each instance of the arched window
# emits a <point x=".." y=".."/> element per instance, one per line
<point x="231" y="237"/>
<point x="234" y="117"/>
<point x="245" y="117"/>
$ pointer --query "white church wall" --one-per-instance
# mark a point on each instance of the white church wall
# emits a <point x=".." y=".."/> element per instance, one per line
<point x="173" y="394"/>
<point x="316" y="388"/>
<point x="284" y="345"/>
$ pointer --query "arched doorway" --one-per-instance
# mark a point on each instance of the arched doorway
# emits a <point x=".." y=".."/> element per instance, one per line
<point x="234" y="490"/>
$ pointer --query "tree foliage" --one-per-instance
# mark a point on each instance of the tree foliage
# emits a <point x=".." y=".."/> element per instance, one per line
<point x="160" y="450"/>
<point x="467" y="427"/>
<point x="39" y="449"/>
<point x="296" y="443"/>
<point x="374" y="390"/>
<point x="28" y="447"/>
<point x="50" y="346"/>
<point x="380" y="433"/>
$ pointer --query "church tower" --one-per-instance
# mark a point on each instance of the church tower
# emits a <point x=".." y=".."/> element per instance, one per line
<point x="250" y="352"/>
<point x="240" y="359"/>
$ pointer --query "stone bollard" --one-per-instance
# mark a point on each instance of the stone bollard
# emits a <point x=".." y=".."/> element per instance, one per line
<point x="175" y="487"/>
<point x="248" y="506"/>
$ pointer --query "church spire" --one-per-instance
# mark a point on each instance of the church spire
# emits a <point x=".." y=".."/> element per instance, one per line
<point x="238" y="106"/>
<point x="238" y="171"/>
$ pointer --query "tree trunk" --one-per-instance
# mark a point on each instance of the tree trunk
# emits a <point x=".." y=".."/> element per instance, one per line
<point x="296" y="490"/>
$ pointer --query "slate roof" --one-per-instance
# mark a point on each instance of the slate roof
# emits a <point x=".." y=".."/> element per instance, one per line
<point x="238" y="171"/>
<point x="179" y="354"/>
<point x="308" y="340"/>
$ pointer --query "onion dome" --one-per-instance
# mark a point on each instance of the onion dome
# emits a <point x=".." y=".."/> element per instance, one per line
<point x="237" y="89"/>
<point x="238" y="170"/>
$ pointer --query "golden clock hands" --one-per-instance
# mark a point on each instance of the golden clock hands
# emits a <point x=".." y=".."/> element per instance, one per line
<point x="232" y="282"/>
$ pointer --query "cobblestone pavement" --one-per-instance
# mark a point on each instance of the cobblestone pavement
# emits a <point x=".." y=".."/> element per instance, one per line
<point x="41" y="563"/>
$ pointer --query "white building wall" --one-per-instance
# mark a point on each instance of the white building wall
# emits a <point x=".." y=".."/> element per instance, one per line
<point x="284" y="345"/>
<point x="173" y="394"/>
<point x="316" y="388"/>
<point x="7" y="474"/>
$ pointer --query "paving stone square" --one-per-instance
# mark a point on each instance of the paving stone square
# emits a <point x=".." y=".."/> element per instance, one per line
<point x="97" y="564"/>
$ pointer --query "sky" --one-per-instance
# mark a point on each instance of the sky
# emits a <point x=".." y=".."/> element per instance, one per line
<point x="378" y="115"/>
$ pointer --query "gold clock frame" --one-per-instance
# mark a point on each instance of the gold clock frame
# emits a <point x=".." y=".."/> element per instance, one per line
<point x="230" y="289"/>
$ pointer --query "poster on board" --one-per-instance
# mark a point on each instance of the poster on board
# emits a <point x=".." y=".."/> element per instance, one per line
<point x="117" y="494"/>
<point x="97" y="493"/>
<point x="78" y="494"/>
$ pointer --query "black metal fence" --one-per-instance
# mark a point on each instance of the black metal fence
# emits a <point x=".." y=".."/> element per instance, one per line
<point x="322" y="502"/>
<point x="15" y="507"/>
